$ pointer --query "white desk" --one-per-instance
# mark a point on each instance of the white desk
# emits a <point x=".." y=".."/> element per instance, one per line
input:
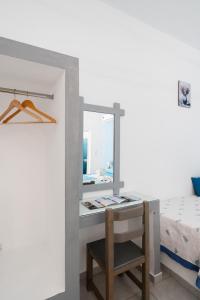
<point x="97" y="216"/>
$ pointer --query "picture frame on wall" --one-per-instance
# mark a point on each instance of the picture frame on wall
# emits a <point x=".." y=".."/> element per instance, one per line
<point x="184" y="94"/>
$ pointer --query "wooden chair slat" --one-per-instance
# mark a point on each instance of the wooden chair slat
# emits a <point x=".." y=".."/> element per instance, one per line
<point x="128" y="213"/>
<point x="127" y="236"/>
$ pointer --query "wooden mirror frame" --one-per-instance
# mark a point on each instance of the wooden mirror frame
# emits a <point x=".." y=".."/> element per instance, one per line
<point x="117" y="112"/>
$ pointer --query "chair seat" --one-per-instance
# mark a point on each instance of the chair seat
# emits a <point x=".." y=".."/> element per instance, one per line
<point x="124" y="253"/>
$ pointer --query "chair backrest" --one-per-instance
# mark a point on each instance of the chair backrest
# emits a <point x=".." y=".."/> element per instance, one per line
<point x="122" y="214"/>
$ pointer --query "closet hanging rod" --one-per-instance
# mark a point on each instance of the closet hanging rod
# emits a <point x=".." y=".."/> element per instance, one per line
<point x="26" y="93"/>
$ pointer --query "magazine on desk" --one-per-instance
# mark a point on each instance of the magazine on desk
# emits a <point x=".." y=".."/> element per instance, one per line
<point x="106" y="201"/>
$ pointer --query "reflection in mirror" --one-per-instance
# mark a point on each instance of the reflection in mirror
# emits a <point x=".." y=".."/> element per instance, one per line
<point x="98" y="139"/>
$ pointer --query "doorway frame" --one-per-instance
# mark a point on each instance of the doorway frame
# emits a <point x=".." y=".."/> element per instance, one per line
<point x="70" y="65"/>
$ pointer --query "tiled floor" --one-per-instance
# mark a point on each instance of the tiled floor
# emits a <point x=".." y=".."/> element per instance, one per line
<point x="125" y="289"/>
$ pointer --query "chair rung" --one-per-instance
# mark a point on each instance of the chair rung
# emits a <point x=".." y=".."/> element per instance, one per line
<point x="134" y="279"/>
<point x="96" y="291"/>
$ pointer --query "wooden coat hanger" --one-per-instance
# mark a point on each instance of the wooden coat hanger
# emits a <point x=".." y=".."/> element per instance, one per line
<point x="29" y="104"/>
<point x="15" y="104"/>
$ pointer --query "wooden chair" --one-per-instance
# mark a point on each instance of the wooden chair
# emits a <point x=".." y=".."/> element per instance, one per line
<point x="117" y="254"/>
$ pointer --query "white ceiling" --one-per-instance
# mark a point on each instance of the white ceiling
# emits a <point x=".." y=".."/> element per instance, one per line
<point x="179" y="18"/>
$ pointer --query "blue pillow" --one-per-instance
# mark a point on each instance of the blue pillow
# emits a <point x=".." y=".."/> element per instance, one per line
<point x="196" y="185"/>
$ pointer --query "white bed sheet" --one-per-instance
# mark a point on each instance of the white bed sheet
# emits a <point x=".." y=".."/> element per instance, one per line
<point x="180" y="227"/>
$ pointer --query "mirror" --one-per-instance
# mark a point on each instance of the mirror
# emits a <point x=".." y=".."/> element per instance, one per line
<point x="98" y="148"/>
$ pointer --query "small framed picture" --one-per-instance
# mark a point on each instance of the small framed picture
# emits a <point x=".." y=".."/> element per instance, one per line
<point x="184" y="94"/>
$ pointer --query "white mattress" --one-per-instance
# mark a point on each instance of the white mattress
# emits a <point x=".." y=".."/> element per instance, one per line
<point x="180" y="227"/>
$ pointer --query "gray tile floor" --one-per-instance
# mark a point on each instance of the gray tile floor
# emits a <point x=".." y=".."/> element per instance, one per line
<point x="125" y="289"/>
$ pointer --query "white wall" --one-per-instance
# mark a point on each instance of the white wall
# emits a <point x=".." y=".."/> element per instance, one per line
<point x="122" y="59"/>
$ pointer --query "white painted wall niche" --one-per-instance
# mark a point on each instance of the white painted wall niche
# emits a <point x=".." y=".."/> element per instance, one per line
<point x="32" y="185"/>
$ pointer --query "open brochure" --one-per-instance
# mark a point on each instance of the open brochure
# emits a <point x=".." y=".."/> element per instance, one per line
<point x="106" y="201"/>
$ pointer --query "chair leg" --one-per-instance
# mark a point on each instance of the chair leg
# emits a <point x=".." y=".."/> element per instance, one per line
<point x="145" y="282"/>
<point x="109" y="286"/>
<point x="89" y="275"/>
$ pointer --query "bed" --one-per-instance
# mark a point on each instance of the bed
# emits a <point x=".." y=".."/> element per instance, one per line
<point x="180" y="232"/>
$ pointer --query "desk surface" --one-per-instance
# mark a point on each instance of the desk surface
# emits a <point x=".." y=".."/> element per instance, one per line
<point x="85" y="212"/>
